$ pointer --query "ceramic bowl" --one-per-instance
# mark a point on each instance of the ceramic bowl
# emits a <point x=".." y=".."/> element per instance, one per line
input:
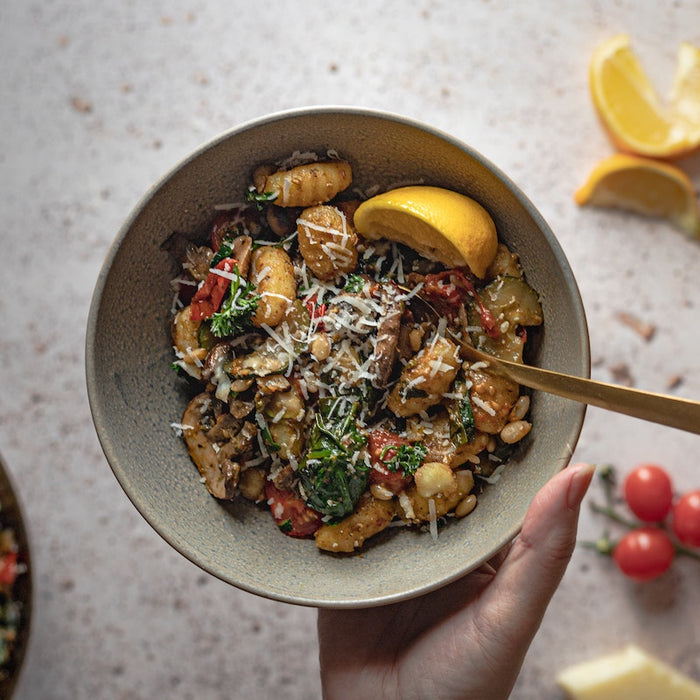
<point x="11" y="518"/>
<point x="135" y="396"/>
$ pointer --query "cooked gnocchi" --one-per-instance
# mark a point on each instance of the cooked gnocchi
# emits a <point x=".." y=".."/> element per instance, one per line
<point x="327" y="390"/>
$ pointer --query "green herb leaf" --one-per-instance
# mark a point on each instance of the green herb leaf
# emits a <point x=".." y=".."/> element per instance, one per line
<point x="354" y="283"/>
<point x="237" y="309"/>
<point x="407" y="458"/>
<point x="225" y="251"/>
<point x="260" y="199"/>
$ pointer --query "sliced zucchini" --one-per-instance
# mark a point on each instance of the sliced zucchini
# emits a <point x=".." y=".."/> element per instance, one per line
<point x="513" y="300"/>
<point x="205" y="337"/>
<point x="511" y="304"/>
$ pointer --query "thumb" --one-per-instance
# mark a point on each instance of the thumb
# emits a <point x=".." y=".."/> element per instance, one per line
<point x="536" y="562"/>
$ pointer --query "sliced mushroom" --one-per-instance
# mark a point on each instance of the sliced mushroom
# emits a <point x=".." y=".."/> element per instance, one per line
<point x="216" y="357"/>
<point x="241" y="251"/>
<point x="387" y="337"/>
<point x="213" y="439"/>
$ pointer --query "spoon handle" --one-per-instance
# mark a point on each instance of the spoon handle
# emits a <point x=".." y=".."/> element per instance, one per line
<point x="680" y="413"/>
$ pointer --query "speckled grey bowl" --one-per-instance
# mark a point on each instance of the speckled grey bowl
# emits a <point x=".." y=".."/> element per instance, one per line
<point x="135" y="396"/>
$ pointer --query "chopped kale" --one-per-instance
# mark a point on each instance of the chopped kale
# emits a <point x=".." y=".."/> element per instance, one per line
<point x="332" y="475"/>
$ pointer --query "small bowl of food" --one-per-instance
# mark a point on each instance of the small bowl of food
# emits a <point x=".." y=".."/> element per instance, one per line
<point x="15" y="585"/>
<point x="274" y="359"/>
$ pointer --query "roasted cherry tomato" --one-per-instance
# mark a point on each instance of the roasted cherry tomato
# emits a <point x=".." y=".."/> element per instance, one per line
<point x="209" y="296"/>
<point x="380" y="446"/>
<point x="449" y="289"/>
<point x="686" y="519"/>
<point x="644" y="553"/>
<point x="649" y="493"/>
<point x="290" y="512"/>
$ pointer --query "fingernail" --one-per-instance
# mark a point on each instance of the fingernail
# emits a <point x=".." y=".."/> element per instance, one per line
<point x="580" y="481"/>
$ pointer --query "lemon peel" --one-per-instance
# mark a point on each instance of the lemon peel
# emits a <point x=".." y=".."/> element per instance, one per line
<point x="438" y="223"/>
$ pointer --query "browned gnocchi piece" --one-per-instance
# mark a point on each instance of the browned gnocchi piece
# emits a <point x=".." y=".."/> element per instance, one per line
<point x="327" y="241"/>
<point x="272" y="273"/>
<point x="425" y="378"/>
<point x="304" y="185"/>
<point x="184" y="332"/>
<point x="492" y="399"/>
<point x="413" y="507"/>
<point x="371" y="516"/>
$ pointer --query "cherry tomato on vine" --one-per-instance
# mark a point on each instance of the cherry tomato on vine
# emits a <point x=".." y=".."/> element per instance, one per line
<point x="686" y="518"/>
<point x="649" y="492"/>
<point x="644" y="553"/>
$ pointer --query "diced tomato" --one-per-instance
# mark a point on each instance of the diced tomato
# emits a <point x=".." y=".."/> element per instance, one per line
<point x="449" y="289"/>
<point x="380" y="446"/>
<point x="290" y="512"/>
<point x="8" y="568"/>
<point x="315" y="311"/>
<point x="209" y="296"/>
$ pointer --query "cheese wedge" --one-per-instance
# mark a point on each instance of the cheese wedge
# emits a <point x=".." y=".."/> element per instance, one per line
<point x="628" y="674"/>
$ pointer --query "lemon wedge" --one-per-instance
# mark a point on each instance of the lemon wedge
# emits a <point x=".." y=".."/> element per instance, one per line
<point x="685" y="92"/>
<point x="630" y="109"/>
<point x="440" y="224"/>
<point x="645" y="186"/>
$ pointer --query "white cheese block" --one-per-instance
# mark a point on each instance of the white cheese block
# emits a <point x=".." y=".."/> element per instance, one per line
<point x="628" y="674"/>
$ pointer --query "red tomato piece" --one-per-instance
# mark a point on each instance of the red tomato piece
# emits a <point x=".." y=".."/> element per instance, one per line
<point x="380" y="446"/>
<point x="8" y="568"/>
<point x="451" y="288"/>
<point x="644" y="554"/>
<point x="649" y="492"/>
<point x="290" y="512"/>
<point x="316" y="311"/>
<point x="208" y="297"/>
<point x="686" y="519"/>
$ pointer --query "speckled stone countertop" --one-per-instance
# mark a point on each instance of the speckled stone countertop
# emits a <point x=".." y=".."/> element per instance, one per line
<point x="101" y="99"/>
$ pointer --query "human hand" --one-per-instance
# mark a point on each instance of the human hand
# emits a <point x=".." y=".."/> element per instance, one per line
<point x="468" y="639"/>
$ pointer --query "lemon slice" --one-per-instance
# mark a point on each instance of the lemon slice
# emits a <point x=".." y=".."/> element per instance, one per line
<point x="630" y="109"/>
<point x="440" y="224"/>
<point x="644" y="186"/>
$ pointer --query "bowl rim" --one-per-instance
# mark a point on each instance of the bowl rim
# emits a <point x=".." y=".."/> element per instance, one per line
<point x="314" y="110"/>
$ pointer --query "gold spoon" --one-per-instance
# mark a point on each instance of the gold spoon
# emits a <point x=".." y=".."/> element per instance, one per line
<point x="672" y="411"/>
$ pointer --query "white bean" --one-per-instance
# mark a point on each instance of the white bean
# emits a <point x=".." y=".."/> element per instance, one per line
<point x="520" y="408"/>
<point x="466" y="506"/>
<point x="515" y="431"/>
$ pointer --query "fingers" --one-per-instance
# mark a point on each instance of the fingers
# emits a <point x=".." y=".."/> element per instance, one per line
<point x="538" y="558"/>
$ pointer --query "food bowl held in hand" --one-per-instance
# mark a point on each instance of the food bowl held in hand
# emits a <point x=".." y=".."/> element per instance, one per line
<point x="136" y="397"/>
